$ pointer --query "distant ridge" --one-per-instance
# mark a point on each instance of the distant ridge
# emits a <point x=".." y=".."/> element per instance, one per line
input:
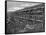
<point x="30" y="8"/>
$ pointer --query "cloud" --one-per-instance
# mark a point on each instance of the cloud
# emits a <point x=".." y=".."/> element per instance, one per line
<point x="14" y="8"/>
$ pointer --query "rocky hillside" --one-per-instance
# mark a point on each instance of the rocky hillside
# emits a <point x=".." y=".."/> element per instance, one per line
<point x="29" y="19"/>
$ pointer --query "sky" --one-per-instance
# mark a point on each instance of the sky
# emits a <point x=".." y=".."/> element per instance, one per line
<point x="28" y="0"/>
<point x="13" y="6"/>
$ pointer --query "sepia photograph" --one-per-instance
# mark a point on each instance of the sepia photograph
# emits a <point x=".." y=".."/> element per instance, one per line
<point x="24" y="17"/>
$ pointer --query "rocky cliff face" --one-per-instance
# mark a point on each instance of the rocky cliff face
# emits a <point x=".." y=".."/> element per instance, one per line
<point x="27" y="20"/>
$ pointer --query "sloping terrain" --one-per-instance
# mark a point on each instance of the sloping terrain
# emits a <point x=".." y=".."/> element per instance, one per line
<point x="30" y="19"/>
